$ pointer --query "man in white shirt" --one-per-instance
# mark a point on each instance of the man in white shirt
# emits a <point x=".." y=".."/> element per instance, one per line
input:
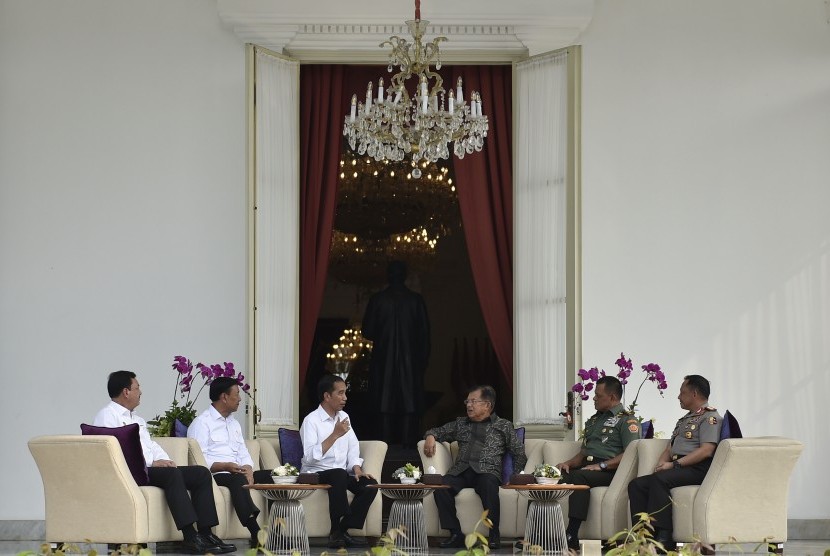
<point x="220" y="435"/>
<point x="331" y="449"/>
<point x="200" y="511"/>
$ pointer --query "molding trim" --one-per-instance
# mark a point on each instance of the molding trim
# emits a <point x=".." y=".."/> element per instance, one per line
<point x="475" y="31"/>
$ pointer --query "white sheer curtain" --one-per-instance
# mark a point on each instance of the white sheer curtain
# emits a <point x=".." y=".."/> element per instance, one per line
<point x="540" y="200"/>
<point x="276" y="250"/>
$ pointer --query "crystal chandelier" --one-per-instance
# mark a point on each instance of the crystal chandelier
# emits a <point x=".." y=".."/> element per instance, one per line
<point x="347" y="352"/>
<point x="384" y="213"/>
<point x="392" y="125"/>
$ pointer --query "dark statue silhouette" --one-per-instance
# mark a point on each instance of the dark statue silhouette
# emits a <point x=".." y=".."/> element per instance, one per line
<point x="396" y="321"/>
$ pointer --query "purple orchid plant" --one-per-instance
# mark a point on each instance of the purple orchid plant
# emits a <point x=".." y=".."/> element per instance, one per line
<point x="164" y="425"/>
<point x="589" y="377"/>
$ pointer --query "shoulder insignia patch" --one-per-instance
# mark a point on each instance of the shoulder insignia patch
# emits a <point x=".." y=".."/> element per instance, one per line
<point x="633" y="428"/>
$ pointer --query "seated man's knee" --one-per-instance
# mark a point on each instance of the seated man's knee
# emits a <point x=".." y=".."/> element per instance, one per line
<point x="201" y="472"/>
<point x="336" y="477"/>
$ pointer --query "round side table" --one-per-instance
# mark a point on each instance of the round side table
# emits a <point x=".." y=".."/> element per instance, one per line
<point x="545" y="528"/>
<point x="286" y="522"/>
<point x="407" y="513"/>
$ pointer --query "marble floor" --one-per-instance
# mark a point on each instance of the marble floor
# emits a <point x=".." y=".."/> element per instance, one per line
<point x="791" y="548"/>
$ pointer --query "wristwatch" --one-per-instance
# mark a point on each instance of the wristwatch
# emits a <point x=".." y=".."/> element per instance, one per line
<point x="676" y="464"/>
<point x="603" y="466"/>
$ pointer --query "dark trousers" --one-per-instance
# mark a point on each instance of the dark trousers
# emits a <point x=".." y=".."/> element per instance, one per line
<point x="579" y="500"/>
<point x="241" y="499"/>
<point x="651" y="494"/>
<point x="199" y="507"/>
<point x="344" y="516"/>
<point x="486" y="486"/>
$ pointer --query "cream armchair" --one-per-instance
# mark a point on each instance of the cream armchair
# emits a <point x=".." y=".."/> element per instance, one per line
<point x="468" y="504"/>
<point x="743" y="498"/>
<point x="91" y="495"/>
<point x="608" y="509"/>
<point x="316" y="506"/>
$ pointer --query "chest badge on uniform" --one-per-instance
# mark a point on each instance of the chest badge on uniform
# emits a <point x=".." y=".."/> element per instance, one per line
<point x="713" y="420"/>
<point x="688" y="434"/>
<point x="693" y="427"/>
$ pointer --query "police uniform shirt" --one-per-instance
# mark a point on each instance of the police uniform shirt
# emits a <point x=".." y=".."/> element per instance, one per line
<point x="607" y="433"/>
<point x="695" y="428"/>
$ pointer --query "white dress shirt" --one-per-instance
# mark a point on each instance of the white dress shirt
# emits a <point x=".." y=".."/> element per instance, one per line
<point x="116" y="415"/>
<point x="220" y="438"/>
<point x="343" y="454"/>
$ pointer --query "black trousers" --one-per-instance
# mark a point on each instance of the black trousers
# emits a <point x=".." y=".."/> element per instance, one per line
<point x="343" y="515"/>
<point x="241" y="499"/>
<point x="579" y="500"/>
<point x="652" y="493"/>
<point x="486" y="486"/>
<point x="199" y="507"/>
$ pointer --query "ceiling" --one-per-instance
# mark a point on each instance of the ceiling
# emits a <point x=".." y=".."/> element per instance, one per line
<point x="329" y="31"/>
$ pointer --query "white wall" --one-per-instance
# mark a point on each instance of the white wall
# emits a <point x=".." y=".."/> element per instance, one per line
<point x="123" y="228"/>
<point x="123" y="237"/>
<point x="706" y="240"/>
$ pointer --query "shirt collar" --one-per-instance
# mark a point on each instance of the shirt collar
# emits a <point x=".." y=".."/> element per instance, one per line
<point x="120" y="409"/>
<point x="613" y="411"/>
<point x="216" y="416"/>
<point x="324" y="416"/>
<point x="492" y="418"/>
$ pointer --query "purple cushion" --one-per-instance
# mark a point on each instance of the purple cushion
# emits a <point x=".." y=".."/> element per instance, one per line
<point x="291" y="447"/>
<point x="179" y="429"/>
<point x="647" y="429"/>
<point x="507" y="460"/>
<point x="730" y="427"/>
<point x="130" y="445"/>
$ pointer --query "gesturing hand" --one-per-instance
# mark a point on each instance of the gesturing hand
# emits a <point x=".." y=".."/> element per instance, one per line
<point x="341" y="427"/>
<point x="429" y="446"/>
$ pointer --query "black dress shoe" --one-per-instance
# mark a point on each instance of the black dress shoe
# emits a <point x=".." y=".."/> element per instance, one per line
<point x="494" y="542"/>
<point x="199" y="545"/>
<point x="665" y="538"/>
<point x="456" y="540"/>
<point x="354" y="541"/>
<point x="336" y="540"/>
<point x="224" y="547"/>
<point x="573" y="542"/>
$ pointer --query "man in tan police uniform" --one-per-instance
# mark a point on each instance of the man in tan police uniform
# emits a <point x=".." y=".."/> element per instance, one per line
<point x="684" y="462"/>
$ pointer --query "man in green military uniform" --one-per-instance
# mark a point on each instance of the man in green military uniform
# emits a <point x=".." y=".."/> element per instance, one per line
<point x="607" y="434"/>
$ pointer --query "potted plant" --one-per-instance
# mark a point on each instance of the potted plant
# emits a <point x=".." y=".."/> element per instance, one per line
<point x="285" y="474"/>
<point x="547" y="474"/>
<point x="175" y="420"/>
<point x="408" y="474"/>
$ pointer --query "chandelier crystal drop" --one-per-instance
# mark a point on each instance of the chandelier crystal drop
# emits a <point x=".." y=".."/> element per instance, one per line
<point x="392" y="125"/>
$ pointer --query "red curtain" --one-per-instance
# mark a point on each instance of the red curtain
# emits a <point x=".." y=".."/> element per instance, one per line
<point x="323" y="106"/>
<point x="325" y="95"/>
<point x="485" y="197"/>
<point x="485" y="192"/>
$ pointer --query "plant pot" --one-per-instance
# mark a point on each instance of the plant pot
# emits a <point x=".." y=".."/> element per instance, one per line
<point x="407" y="480"/>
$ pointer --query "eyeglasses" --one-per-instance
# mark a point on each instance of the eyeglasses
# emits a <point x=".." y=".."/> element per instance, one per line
<point x="471" y="402"/>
